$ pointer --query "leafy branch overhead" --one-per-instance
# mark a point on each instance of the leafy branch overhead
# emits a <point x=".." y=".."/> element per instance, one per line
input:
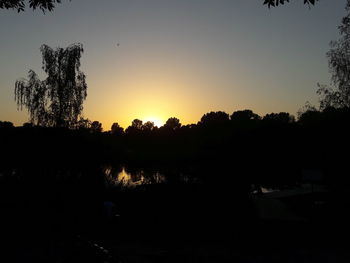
<point x="49" y="5"/>
<point x="20" y="5"/>
<point x="274" y="3"/>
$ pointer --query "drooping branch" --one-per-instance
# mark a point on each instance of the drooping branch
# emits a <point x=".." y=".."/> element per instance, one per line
<point x="20" y="5"/>
<point x="31" y="94"/>
<point x="275" y="3"/>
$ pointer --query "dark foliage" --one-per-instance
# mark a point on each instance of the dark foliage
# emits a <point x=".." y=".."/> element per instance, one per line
<point x="96" y="126"/>
<point x="172" y="124"/>
<point x="116" y="129"/>
<point x="55" y="183"/>
<point x="275" y="3"/>
<point x="214" y="118"/>
<point x="6" y="125"/>
<point x="19" y="5"/>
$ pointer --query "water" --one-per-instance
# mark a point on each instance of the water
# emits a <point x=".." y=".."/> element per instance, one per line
<point x="133" y="177"/>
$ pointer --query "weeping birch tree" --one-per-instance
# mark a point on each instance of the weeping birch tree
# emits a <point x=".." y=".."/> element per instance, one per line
<point x="58" y="100"/>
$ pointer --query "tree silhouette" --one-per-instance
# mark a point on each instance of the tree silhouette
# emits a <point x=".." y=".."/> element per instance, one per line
<point x="135" y="127"/>
<point x="96" y="126"/>
<point x="339" y="64"/>
<point x="137" y="124"/>
<point x="27" y="125"/>
<point x="20" y="5"/>
<point x="245" y="119"/>
<point x="274" y="3"/>
<point x="148" y="126"/>
<point x="278" y="118"/>
<point x="58" y="100"/>
<point x="244" y="115"/>
<point x="310" y="117"/>
<point x="214" y="118"/>
<point x="172" y="124"/>
<point x="307" y="107"/>
<point x="116" y="129"/>
<point x="83" y="124"/>
<point x="6" y="125"/>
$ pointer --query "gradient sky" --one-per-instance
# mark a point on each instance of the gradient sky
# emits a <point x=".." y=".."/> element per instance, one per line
<point x="177" y="58"/>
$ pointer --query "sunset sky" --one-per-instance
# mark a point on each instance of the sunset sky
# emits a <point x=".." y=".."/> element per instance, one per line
<point x="177" y="58"/>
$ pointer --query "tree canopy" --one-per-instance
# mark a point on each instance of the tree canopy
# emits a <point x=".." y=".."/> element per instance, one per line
<point x="214" y="118"/>
<point x="116" y="129"/>
<point x="96" y="126"/>
<point x="58" y="100"/>
<point x="148" y="126"/>
<point x="20" y="5"/>
<point x="244" y="115"/>
<point x="172" y="124"/>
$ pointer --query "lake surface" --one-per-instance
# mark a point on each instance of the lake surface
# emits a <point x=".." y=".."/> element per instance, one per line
<point x="133" y="177"/>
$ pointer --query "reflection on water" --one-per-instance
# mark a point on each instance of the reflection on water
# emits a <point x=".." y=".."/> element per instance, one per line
<point x="265" y="190"/>
<point x="132" y="177"/>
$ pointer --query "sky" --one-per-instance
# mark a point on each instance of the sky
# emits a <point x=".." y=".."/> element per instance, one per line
<point x="176" y="58"/>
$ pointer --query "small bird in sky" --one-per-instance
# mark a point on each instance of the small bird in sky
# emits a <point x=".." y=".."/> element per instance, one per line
<point x="118" y="44"/>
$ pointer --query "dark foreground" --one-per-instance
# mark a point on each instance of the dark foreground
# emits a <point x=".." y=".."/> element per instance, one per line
<point x="58" y="203"/>
<point x="192" y="227"/>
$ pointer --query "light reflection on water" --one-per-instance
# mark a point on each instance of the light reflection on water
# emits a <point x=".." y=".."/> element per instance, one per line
<point x="267" y="190"/>
<point x="133" y="178"/>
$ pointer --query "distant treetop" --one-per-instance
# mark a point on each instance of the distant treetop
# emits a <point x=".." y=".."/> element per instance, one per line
<point x="19" y="5"/>
<point x="274" y="3"/>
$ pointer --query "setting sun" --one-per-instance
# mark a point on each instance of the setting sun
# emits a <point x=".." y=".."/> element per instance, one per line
<point x="157" y="121"/>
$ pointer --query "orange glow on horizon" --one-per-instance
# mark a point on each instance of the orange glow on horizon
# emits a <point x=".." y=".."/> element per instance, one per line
<point x="158" y="91"/>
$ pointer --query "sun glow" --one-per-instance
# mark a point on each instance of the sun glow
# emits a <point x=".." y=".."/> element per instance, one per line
<point x="157" y="121"/>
